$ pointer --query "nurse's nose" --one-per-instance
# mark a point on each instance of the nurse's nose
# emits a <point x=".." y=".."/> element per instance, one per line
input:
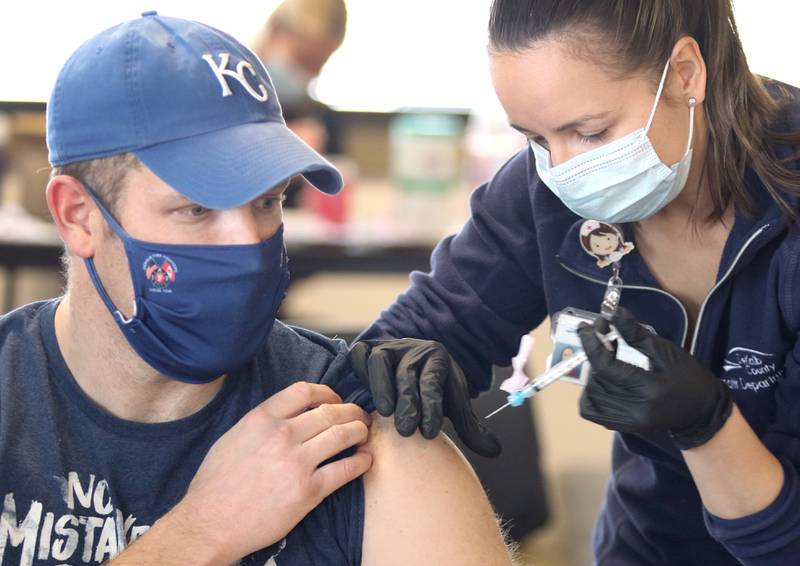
<point x="558" y="155"/>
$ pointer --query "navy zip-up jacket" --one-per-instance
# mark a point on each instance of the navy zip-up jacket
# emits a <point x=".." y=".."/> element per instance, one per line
<point x="518" y="259"/>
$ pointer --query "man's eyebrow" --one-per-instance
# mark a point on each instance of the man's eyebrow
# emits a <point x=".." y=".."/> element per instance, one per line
<point x="277" y="189"/>
<point x="176" y="199"/>
<point x="569" y="125"/>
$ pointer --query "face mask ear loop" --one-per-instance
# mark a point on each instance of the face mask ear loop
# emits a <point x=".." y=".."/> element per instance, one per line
<point x="104" y="296"/>
<point x="692" y="104"/>
<point x="658" y="97"/>
<point x="118" y="230"/>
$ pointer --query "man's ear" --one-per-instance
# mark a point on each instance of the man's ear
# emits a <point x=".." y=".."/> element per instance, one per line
<point x="71" y="208"/>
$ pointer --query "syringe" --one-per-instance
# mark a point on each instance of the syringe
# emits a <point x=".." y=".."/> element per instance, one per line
<point x="549" y="377"/>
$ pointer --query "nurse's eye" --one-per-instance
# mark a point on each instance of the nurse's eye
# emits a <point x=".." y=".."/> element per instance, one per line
<point x="593" y="138"/>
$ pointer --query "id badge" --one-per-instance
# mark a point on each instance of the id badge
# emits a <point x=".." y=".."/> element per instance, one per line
<point x="566" y="343"/>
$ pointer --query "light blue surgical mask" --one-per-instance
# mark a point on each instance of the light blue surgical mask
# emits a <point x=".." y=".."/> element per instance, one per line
<point x="621" y="181"/>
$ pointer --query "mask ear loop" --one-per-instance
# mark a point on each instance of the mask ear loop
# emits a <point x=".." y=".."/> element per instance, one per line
<point x="658" y="97"/>
<point x="89" y="262"/>
<point x="692" y="104"/>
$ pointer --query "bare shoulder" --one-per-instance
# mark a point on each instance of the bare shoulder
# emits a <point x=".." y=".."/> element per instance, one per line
<point x="424" y="505"/>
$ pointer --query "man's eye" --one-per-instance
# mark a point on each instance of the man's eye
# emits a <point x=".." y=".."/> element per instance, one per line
<point x="271" y="203"/>
<point x="198" y="211"/>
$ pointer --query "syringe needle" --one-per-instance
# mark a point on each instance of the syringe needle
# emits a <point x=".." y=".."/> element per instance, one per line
<point x="493" y="413"/>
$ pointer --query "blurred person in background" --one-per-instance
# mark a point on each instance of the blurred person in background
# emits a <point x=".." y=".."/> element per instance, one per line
<point x="296" y="41"/>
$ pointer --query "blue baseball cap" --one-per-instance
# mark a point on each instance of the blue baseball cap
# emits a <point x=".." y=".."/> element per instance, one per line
<point x="192" y="103"/>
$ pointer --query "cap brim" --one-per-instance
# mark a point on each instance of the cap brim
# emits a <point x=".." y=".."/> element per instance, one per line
<point x="230" y="167"/>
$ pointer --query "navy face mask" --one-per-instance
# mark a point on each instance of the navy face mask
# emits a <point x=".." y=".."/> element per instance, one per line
<point x="200" y="311"/>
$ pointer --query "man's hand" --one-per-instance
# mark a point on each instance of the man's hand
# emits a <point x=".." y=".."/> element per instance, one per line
<point x="420" y="383"/>
<point x="264" y="475"/>
<point x="679" y="395"/>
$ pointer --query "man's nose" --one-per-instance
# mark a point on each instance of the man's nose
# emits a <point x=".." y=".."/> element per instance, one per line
<point x="240" y="226"/>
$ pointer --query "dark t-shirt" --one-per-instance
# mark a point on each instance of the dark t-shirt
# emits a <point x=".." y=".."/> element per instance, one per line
<point x="78" y="485"/>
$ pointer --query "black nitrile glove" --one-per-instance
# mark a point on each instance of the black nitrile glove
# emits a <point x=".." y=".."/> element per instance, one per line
<point x="420" y="383"/>
<point x="678" y="395"/>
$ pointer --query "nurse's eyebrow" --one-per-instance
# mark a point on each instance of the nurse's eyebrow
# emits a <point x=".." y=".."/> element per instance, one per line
<point x="520" y="129"/>
<point x="568" y="126"/>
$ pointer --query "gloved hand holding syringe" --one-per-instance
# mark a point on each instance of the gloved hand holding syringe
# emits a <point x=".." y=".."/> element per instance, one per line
<point x="517" y="398"/>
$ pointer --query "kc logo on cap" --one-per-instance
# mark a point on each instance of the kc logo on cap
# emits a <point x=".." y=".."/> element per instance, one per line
<point x="221" y="71"/>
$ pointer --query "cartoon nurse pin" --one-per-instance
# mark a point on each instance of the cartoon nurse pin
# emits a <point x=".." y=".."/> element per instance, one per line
<point x="604" y="242"/>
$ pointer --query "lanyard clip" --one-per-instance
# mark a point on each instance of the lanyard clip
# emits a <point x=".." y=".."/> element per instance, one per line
<point x="612" y="295"/>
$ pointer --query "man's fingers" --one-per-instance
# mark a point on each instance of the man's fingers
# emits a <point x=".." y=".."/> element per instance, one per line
<point x="432" y="377"/>
<point x="330" y="477"/>
<point x="297" y="398"/>
<point x="381" y="369"/>
<point x="334" y="440"/>
<point x="311" y="423"/>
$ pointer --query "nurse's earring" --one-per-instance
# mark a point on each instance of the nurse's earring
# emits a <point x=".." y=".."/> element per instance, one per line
<point x="692" y="102"/>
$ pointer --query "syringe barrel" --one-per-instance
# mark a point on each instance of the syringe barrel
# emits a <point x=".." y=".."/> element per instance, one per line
<point x="563" y="367"/>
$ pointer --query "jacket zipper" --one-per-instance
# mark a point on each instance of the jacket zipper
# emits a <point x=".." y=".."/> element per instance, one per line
<point x="639" y="288"/>
<point x="720" y="282"/>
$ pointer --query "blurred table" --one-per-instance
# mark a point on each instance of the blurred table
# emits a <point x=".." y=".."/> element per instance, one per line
<point x="16" y="255"/>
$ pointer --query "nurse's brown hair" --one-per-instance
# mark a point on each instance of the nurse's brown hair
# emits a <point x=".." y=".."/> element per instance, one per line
<point x="637" y="36"/>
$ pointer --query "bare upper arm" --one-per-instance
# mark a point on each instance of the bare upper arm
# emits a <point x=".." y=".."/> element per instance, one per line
<point x="424" y="505"/>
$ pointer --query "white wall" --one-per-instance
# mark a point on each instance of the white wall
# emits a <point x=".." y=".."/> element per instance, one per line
<point x="410" y="53"/>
